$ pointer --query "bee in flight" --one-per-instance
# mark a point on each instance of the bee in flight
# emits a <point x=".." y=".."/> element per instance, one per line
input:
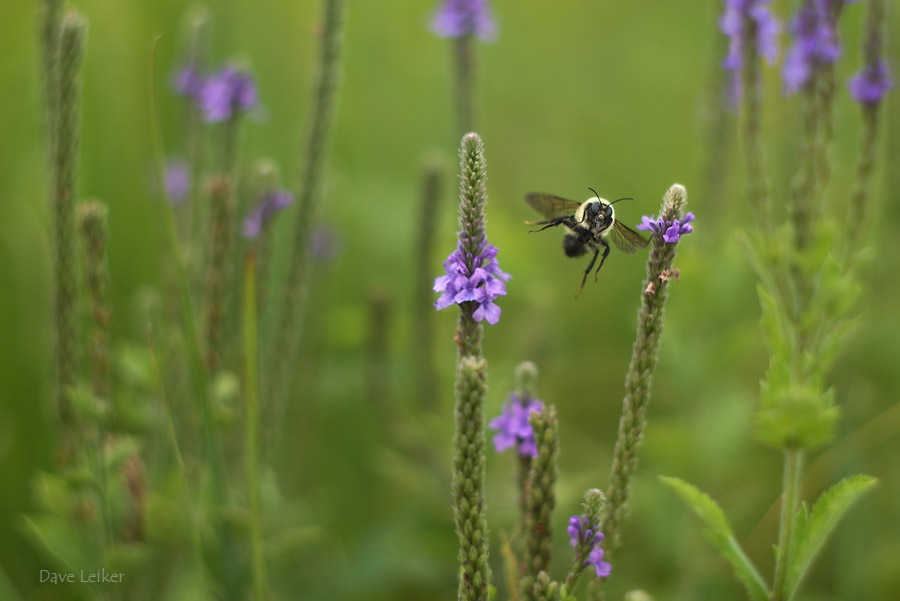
<point x="588" y="227"/>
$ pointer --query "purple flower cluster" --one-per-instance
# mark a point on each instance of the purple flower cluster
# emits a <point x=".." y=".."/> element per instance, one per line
<point x="178" y="180"/>
<point x="456" y="18"/>
<point x="270" y="204"/>
<point x="514" y="428"/>
<point x="188" y="81"/>
<point x="483" y="286"/>
<point x="732" y="24"/>
<point x="579" y="536"/>
<point x="220" y="95"/>
<point x="671" y="231"/>
<point x="870" y="85"/>
<point x="814" y="29"/>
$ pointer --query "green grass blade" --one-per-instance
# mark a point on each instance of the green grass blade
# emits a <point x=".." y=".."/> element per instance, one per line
<point x="719" y="532"/>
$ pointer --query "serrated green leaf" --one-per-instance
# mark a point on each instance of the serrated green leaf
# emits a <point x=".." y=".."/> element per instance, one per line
<point x="69" y="545"/>
<point x="823" y="517"/>
<point x="720" y="535"/>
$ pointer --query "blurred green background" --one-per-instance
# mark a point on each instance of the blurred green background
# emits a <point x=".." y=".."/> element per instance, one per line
<point x="623" y="97"/>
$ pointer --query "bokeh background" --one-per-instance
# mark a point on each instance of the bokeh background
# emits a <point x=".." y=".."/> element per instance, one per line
<point x="624" y="97"/>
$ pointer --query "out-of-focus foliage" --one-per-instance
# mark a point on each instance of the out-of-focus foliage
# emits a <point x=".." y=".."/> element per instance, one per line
<point x="622" y="97"/>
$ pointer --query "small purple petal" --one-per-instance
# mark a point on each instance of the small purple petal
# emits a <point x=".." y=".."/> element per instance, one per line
<point x="178" y="180"/>
<point x="870" y="85"/>
<point x="263" y="212"/>
<point x="456" y="18"/>
<point x="595" y="559"/>
<point x="227" y="93"/>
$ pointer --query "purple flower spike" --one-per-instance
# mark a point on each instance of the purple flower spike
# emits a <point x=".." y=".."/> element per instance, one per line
<point x="870" y="85"/>
<point x="604" y="568"/>
<point x="732" y="24"/>
<point x="262" y="213"/>
<point x="483" y="286"/>
<point x="815" y="42"/>
<point x="514" y="428"/>
<point x="578" y="534"/>
<point x="456" y="18"/>
<point x="188" y="82"/>
<point x="178" y="180"/>
<point x="670" y="231"/>
<point x="226" y="94"/>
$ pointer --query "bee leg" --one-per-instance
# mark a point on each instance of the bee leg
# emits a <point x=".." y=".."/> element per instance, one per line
<point x="550" y="223"/>
<point x="588" y="270"/>
<point x="605" y="253"/>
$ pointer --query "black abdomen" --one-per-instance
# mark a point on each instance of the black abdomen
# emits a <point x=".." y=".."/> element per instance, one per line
<point x="574" y="245"/>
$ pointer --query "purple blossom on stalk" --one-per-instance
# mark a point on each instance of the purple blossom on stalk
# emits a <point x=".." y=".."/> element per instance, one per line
<point x="514" y="428"/>
<point x="870" y="85"/>
<point x="325" y="244"/>
<point x="457" y="18"/>
<point x="270" y="204"/>
<point x="579" y="535"/>
<point x="604" y="568"/>
<point x="815" y="42"/>
<point x="188" y="82"/>
<point x="226" y="94"/>
<point x="483" y="286"/>
<point x="671" y="231"/>
<point x="732" y="24"/>
<point x="178" y="180"/>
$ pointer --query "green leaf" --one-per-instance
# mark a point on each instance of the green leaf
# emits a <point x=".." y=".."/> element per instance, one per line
<point x="822" y="519"/>
<point x="720" y="535"/>
<point x="69" y="545"/>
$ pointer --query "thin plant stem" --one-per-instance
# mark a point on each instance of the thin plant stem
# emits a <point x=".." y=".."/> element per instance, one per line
<point x="293" y="307"/>
<point x="176" y="450"/>
<point x="639" y="378"/>
<point x="757" y="189"/>
<point x="66" y="137"/>
<point x="793" y="460"/>
<point x="199" y="376"/>
<point x="251" y="384"/>
<point x="464" y="64"/>
<point x="423" y="308"/>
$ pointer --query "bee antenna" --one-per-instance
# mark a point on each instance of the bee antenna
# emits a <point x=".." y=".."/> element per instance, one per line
<point x="626" y="198"/>
<point x="594" y="191"/>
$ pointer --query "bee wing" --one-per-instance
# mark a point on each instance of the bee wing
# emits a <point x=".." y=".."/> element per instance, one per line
<point x="626" y="239"/>
<point x="551" y="206"/>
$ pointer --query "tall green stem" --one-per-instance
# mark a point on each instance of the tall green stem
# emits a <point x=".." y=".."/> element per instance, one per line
<point x="309" y="194"/>
<point x="254" y="489"/>
<point x="464" y="63"/>
<point x="793" y="460"/>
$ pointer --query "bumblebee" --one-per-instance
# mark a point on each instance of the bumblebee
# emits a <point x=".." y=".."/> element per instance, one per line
<point x="588" y="225"/>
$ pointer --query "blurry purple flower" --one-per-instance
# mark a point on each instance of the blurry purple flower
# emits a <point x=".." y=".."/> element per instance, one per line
<point x="604" y="568"/>
<point x="178" y="180"/>
<point x="732" y="24"/>
<point x="226" y="94"/>
<point x="870" y="85"/>
<point x="513" y="426"/>
<point x="670" y="231"/>
<point x="325" y="244"/>
<point x="263" y="211"/>
<point x="483" y="286"/>
<point x="579" y="535"/>
<point x="814" y="29"/>
<point x="456" y="18"/>
<point x="188" y="82"/>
